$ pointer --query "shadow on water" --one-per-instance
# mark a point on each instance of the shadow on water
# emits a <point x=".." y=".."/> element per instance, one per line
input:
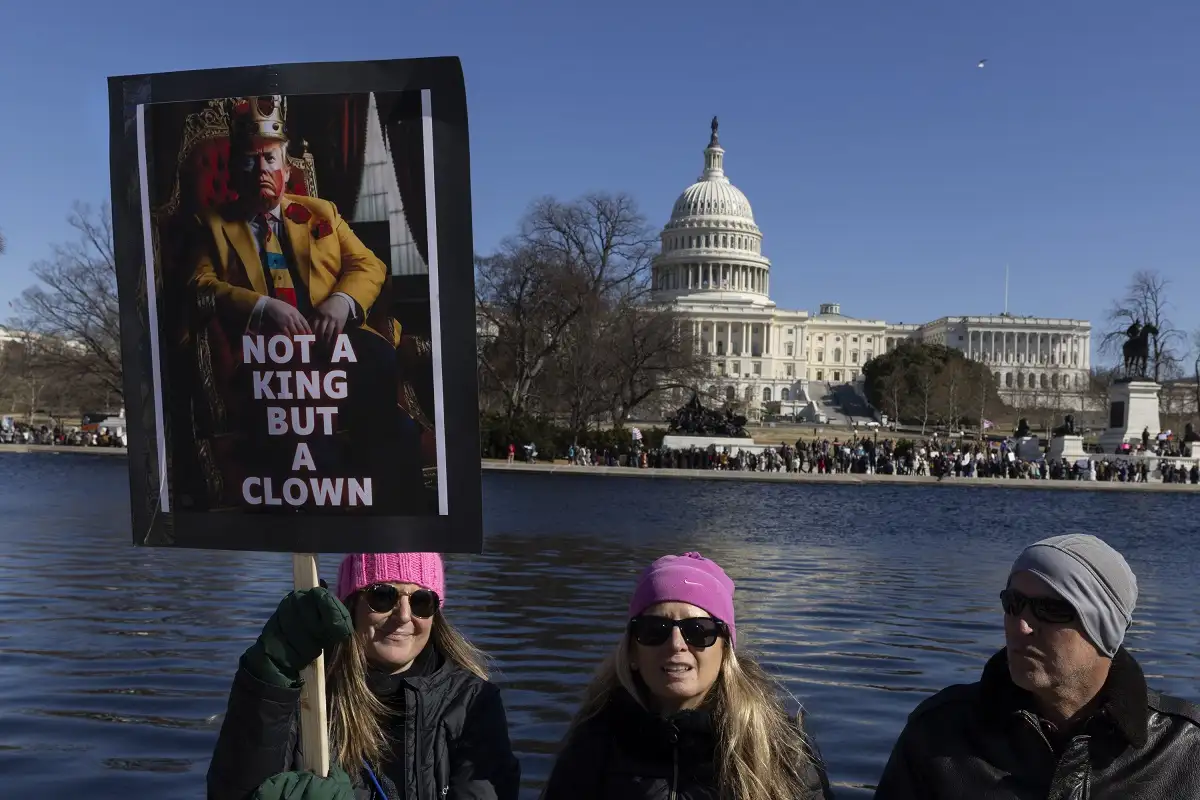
<point x="115" y="662"/>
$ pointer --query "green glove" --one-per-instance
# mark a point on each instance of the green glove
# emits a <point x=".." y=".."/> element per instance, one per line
<point x="306" y="786"/>
<point x="306" y="622"/>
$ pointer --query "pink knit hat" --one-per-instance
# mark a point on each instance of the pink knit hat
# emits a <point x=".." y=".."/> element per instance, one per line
<point x="689" y="578"/>
<point x="360" y="570"/>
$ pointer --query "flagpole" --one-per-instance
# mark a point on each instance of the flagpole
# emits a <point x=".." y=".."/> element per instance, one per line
<point x="1006" y="290"/>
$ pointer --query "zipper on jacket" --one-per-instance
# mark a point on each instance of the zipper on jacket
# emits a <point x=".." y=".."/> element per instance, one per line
<point x="1032" y="721"/>
<point x="674" y="770"/>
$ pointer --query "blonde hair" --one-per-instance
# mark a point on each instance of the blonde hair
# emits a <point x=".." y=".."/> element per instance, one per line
<point x="356" y="716"/>
<point x="759" y="751"/>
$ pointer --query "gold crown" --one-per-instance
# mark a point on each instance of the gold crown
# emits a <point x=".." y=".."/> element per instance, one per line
<point x="263" y="116"/>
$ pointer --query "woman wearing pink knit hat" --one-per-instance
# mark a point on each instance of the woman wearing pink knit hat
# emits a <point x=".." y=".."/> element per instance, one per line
<point x="676" y="712"/>
<point x="411" y="711"/>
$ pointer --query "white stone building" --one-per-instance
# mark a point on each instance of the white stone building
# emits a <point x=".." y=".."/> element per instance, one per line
<point x="711" y="268"/>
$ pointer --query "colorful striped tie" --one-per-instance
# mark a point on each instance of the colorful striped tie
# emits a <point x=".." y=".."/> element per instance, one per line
<point x="276" y="264"/>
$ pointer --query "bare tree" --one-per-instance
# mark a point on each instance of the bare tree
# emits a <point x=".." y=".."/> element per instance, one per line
<point x="75" y="302"/>
<point x="577" y="380"/>
<point x="1196" y="365"/>
<point x="1099" y="380"/>
<point x="37" y="379"/>
<point x="949" y="391"/>
<point x="567" y="259"/>
<point x="980" y="396"/>
<point x="925" y="381"/>
<point x="1145" y="301"/>
<point x="894" y="388"/>
<point x="649" y="351"/>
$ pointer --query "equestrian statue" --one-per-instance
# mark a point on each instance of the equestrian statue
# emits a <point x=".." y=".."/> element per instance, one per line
<point x="1136" y="349"/>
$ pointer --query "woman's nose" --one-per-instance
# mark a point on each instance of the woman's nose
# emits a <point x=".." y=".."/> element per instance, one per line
<point x="403" y="610"/>
<point x="677" y="641"/>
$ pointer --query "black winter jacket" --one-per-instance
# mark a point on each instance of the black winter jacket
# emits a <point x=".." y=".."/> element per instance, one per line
<point x="984" y="741"/>
<point x="453" y="745"/>
<point x="627" y="753"/>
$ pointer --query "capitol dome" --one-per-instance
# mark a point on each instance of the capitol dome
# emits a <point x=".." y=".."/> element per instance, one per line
<point x="711" y="248"/>
<point x="712" y="196"/>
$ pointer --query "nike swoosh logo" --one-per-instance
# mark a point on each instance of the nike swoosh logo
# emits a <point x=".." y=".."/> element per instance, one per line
<point x="690" y="583"/>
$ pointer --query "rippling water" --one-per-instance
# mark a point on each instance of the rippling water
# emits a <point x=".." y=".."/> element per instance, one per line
<point x="115" y="662"/>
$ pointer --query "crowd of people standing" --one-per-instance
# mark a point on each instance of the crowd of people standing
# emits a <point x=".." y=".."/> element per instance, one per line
<point x="935" y="457"/>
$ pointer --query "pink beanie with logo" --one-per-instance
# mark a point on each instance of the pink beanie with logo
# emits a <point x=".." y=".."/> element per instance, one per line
<point x="360" y="570"/>
<point x="688" y="578"/>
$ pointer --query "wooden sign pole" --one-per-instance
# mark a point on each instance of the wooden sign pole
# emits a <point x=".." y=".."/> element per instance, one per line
<point x="314" y="727"/>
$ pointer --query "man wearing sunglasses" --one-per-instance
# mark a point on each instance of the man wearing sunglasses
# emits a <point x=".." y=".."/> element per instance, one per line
<point x="1063" y="712"/>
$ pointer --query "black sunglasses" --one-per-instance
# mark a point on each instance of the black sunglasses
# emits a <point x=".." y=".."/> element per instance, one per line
<point x="383" y="597"/>
<point x="1046" y="609"/>
<point x="701" y="632"/>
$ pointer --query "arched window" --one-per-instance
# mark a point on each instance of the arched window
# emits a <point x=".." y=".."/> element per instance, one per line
<point x="1008" y="380"/>
<point x="767" y="394"/>
<point x="1045" y="382"/>
<point x="1020" y="380"/>
<point x="837" y="355"/>
<point x="1054" y="381"/>
<point x="785" y="395"/>
<point x="730" y="393"/>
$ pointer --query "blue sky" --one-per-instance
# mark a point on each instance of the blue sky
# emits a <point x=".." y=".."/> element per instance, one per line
<point x="887" y="172"/>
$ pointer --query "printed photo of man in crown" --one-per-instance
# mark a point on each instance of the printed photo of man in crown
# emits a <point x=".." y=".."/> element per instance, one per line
<point x="301" y="365"/>
<point x="285" y="263"/>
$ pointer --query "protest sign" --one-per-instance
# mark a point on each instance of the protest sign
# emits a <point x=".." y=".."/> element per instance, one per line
<point x="295" y="274"/>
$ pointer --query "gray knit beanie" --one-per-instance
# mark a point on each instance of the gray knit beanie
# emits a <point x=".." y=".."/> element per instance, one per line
<point x="1093" y="578"/>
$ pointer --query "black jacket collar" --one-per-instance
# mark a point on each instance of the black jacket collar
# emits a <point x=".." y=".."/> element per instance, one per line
<point x="644" y="731"/>
<point x="385" y="685"/>
<point x="1123" y="698"/>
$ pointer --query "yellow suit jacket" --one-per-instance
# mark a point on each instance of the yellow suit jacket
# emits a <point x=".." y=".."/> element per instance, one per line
<point x="228" y="265"/>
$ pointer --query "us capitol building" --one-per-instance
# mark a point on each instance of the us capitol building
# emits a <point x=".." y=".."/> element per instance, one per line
<point x="712" y="271"/>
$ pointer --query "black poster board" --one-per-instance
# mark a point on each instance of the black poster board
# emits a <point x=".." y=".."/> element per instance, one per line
<point x="295" y="275"/>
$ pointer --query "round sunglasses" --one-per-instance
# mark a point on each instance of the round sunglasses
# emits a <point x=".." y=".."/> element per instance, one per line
<point x="1054" y="610"/>
<point x="383" y="598"/>
<point x="701" y="632"/>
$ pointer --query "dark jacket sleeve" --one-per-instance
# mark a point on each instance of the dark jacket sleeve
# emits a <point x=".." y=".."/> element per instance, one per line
<point x="258" y="738"/>
<point x="578" y="771"/>
<point x="816" y="776"/>
<point x="900" y="780"/>
<point x="482" y="764"/>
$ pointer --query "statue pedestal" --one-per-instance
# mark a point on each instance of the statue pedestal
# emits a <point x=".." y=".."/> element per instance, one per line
<point x="1069" y="447"/>
<point x="677" y="442"/>
<point x="1132" y="408"/>
<point x="1028" y="448"/>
